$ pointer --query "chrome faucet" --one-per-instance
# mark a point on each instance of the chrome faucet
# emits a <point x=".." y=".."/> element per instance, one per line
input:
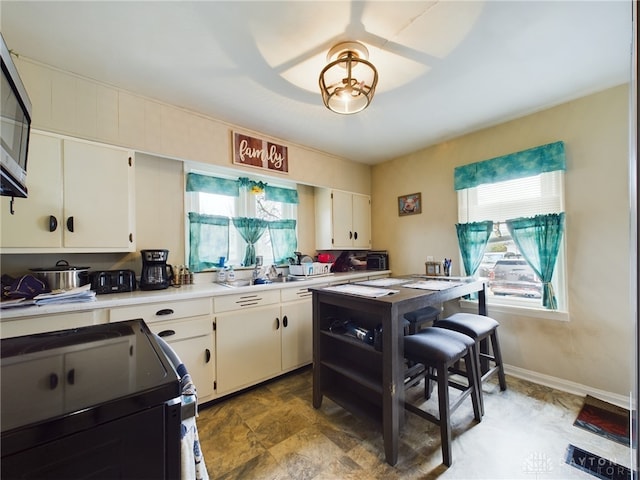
<point x="258" y="267"/>
<point x="273" y="272"/>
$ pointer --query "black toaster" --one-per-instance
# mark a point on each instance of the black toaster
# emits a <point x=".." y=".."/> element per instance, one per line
<point x="113" y="281"/>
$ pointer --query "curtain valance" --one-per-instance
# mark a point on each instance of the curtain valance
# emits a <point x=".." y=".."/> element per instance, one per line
<point x="284" y="195"/>
<point x="208" y="184"/>
<point x="527" y="163"/>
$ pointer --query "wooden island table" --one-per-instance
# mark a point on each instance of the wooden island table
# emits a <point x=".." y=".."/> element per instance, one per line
<point x="366" y="379"/>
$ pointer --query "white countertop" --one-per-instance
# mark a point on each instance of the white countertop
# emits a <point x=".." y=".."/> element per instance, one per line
<point x="183" y="292"/>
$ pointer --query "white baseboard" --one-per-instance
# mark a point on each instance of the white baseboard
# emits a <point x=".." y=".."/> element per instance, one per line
<point x="568" y="386"/>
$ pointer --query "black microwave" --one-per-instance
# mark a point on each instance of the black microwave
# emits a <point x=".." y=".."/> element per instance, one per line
<point x="15" y="127"/>
<point x="378" y="260"/>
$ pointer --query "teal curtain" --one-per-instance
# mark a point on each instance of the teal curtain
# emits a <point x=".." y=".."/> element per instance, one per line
<point x="284" y="195"/>
<point x="538" y="239"/>
<point x="208" y="184"/>
<point x="208" y="240"/>
<point x="527" y="163"/>
<point x="283" y="239"/>
<point x="472" y="239"/>
<point x="245" y="182"/>
<point x="250" y="229"/>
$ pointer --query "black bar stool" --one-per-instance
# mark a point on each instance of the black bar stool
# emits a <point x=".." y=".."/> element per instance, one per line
<point x="479" y="328"/>
<point x="418" y="318"/>
<point x="439" y="350"/>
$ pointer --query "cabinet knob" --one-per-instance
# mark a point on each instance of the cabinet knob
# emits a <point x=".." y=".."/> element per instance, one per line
<point x="355" y="235"/>
<point x="53" y="381"/>
<point x="70" y="224"/>
<point x="167" y="333"/>
<point x="71" y="376"/>
<point x="165" y="311"/>
<point x="277" y="323"/>
<point x="350" y="235"/>
<point x="285" y="321"/>
<point x="53" y="223"/>
<point x="207" y="355"/>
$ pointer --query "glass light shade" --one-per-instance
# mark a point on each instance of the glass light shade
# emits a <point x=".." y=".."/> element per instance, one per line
<point x="348" y="83"/>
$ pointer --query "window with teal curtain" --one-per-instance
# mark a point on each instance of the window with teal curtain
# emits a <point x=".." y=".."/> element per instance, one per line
<point x="208" y="240"/>
<point x="250" y="229"/>
<point x="472" y="239"/>
<point x="214" y="196"/>
<point x="521" y="185"/>
<point x="283" y="239"/>
<point x="538" y="240"/>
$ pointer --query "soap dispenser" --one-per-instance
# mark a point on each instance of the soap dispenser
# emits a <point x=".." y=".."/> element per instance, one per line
<point x="222" y="275"/>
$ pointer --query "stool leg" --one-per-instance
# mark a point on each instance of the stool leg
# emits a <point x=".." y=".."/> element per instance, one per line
<point x="497" y="354"/>
<point x="478" y="374"/>
<point x="445" y="414"/>
<point x="474" y="383"/>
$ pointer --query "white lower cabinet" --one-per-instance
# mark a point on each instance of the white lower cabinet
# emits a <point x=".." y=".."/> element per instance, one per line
<point x="248" y="344"/>
<point x="49" y="323"/>
<point x="187" y="327"/>
<point x="260" y="336"/>
<point x="297" y="331"/>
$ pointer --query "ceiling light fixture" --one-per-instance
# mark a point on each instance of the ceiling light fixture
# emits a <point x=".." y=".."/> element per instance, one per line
<point x="349" y="80"/>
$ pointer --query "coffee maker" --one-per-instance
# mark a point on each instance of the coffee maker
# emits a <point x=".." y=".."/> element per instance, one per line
<point x="156" y="274"/>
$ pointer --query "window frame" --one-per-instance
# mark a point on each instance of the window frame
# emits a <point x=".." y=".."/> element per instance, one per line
<point x="514" y="305"/>
<point x="243" y="207"/>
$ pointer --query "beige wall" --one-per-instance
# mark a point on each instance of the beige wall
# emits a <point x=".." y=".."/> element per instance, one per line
<point x="595" y="347"/>
<point x="163" y="136"/>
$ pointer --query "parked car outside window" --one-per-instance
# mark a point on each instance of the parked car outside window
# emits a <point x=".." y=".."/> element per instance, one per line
<point x="514" y="277"/>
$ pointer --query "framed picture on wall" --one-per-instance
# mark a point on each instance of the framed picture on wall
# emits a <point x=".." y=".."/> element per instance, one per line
<point x="410" y="204"/>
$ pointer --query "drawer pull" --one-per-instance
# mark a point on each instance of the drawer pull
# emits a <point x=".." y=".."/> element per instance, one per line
<point x="167" y="333"/>
<point x="207" y="355"/>
<point x="285" y="321"/>
<point x="165" y="311"/>
<point x="53" y="381"/>
<point x="53" y="223"/>
<point x="71" y="376"/>
<point x="277" y="323"/>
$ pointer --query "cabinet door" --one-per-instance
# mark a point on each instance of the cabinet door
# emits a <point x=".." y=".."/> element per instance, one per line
<point x="361" y="221"/>
<point x="29" y="226"/>
<point x="98" y="184"/>
<point x="297" y="341"/>
<point x="32" y="390"/>
<point x="248" y="347"/>
<point x="197" y="354"/>
<point x="342" y="219"/>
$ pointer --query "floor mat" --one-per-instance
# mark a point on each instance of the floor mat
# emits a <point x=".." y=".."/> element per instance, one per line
<point x="596" y="465"/>
<point x="604" y="419"/>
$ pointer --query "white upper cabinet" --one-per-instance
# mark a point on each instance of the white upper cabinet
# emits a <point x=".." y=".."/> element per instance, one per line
<point x="80" y="199"/>
<point x="343" y="220"/>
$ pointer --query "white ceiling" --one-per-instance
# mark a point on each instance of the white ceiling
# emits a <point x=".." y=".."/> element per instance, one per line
<point x="445" y="67"/>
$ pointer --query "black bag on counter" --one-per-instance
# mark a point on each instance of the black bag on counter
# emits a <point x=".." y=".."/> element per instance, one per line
<point x="26" y="286"/>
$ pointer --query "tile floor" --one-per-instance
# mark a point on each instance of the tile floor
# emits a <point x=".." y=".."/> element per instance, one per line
<point x="273" y="432"/>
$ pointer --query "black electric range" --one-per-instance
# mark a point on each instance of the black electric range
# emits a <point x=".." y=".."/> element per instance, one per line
<point x="101" y="401"/>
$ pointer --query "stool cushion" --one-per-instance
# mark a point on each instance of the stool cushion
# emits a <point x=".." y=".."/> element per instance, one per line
<point x="436" y="345"/>
<point x="475" y="326"/>
<point x="422" y="315"/>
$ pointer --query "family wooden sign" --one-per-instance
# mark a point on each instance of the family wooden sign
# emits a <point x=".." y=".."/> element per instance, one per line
<point x="259" y="153"/>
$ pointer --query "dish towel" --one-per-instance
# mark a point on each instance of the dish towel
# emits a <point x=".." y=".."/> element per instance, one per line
<point x="193" y="466"/>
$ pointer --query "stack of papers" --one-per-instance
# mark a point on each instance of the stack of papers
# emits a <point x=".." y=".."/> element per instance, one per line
<point x="361" y="290"/>
<point x="383" y="282"/>
<point x="80" y="294"/>
<point x="433" y="284"/>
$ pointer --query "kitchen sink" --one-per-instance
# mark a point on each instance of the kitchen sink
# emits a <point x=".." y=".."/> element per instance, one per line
<point x="236" y="283"/>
